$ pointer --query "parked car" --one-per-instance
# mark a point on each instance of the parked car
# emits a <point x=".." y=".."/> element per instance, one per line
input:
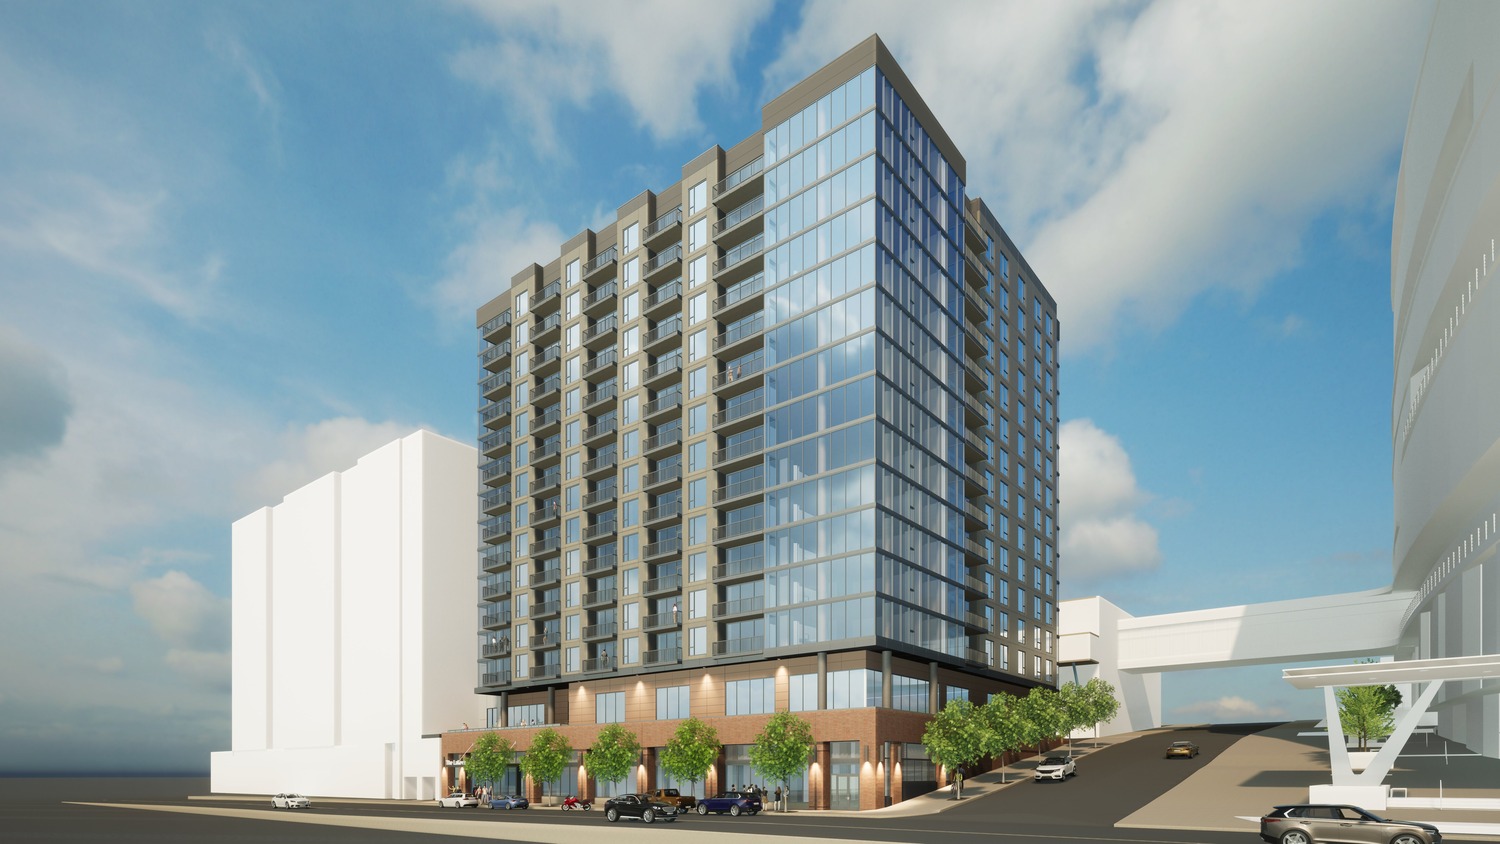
<point x="1182" y="748"/>
<point x="513" y="801"/>
<point x="1315" y="824"/>
<point x="290" y="801"/>
<point x="684" y="802"/>
<point x="1056" y="768"/>
<point x="639" y="806"/>
<point x="458" y="800"/>
<point x="734" y="802"/>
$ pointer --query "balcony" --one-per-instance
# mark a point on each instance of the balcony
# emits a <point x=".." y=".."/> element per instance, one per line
<point x="668" y="260"/>
<point x="662" y="549"/>
<point x="731" y="342"/>
<point x="598" y="632"/>
<point x="739" y="454"/>
<point x="664" y="475"/>
<point x="605" y="260"/>
<point x="495" y="591"/>
<point x="975" y="515"/>
<point x="664" y="656"/>
<point x="975" y="656"/>
<point x="743" y="527"/>
<point x="742" y="607"/>
<point x="665" y="439"/>
<point x="599" y="396"/>
<point x="663" y="229"/>
<point x="742" y="299"/>
<point x="545" y="577"/>
<point x="975" y="585"/>
<point x="741" y="415"/>
<point x="977" y="410"/>
<point x="734" y="647"/>
<point x="494" y="620"/>
<point x="601" y="333"/>
<point x="548" y="360"/>
<point x="548" y="671"/>
<point x="599" y="563"/>
<point x="601" y="531"/>
<point x="739" y="185"/>
<point x="741" y="262"/>
<point x="975" y="297"/>
<point x="598" y="664"/>
<point x="976" y="447"/>
<point x="669" y="329"/>
<point x="546" y="640"/>
<point x="604" y="361"/>
<point x="494" y="559"/>
<point x="662" y="369"/>
<point x="663" y="513"/>
<point x="496" y="328"/>
<point x="974" y="477"/>
<point x="498" y="648"/>
<point x="493" y="417"/>
<point x="600" y="498"/>
<point x="662" y="621"/>
<point x="544" y="329"/>
<point x="741" y="569"/>
<point x="663" y="296"/>
<point x="548" y="391"/>
<point x="494" y="500"/>
<point x="976" y="621"/>
<point x="546" y="609"/>
<point x="495" y="358"/>
<point x="599" y="598"/>
<point x="548" y="482"/>
<point x="497" y="678"/>
<point x="548" y="421"/>
<point x="494" y="443"/>
<point x="546" y="452"/>
<point x="736" y="491"/>
<point x="548" y="298"/>
<point x="496" y="385"/>
<point x="493" y="529"/>
<point x="545" y="546"/>
<point x="601" y="429"/>
<point x="602" y="463"/>
<point x="975" y="548"/>
<point x="670" y="402"/>
<point x="662" y="585"/>
<point x="741" y="223"/>
<point x="975" y="338"/>
<point x="601" y="300"/>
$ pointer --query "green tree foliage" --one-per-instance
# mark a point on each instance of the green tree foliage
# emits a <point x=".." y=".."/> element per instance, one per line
<point x="691" y="751"/>
<point x="1366" y="712"/>
<point x="1042" y="715"/>
<point x="488" y="759"/>
<point x="613" y="754"/>
<point x="954" y="738"/>
<point x="1003" y="727"/>
<point x="781" y="750"/>
<point x="548" y="755"/>
<point x="1100" y="703"/>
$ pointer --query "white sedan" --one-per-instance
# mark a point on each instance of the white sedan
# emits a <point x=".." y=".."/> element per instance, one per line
<point x="290" y="801"/>
<point x="458" y="800"/>
<point x="1056" y="768"/>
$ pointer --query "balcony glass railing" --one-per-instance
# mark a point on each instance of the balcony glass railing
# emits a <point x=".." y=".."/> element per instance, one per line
<point x="736" y="490"/>
<point x="664" y="222"/>
<point x="606" y="291"/>
<point x="752" y="286"/>
<point x="729" y="647"/>
<point x="740" y="409"/>
<point x="740" y="214"/>
<point x="754" y="524"/>
<point x="738" y="177"/>
<point x="739" y="254"/>
<point x="603" y="259"/>
<point x="740" y="449"/>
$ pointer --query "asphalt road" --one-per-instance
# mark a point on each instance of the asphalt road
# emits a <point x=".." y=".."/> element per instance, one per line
<point x="1112" y="783"/>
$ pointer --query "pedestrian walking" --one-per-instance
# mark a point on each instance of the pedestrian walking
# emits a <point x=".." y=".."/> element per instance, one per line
<point x="958" y="785"/>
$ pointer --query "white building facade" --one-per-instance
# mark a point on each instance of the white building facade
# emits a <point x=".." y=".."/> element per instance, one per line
<point x="351" y="628"/>
<point x="1445" y="411"/>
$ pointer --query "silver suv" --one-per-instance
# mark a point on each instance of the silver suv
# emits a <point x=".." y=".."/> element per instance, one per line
<point x="1316" y="824"/>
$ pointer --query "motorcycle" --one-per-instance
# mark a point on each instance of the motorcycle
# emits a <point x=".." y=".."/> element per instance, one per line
<point x="574" y="803"/>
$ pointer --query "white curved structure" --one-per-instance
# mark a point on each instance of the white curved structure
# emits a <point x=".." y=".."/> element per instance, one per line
<point x="1445" y="406"/>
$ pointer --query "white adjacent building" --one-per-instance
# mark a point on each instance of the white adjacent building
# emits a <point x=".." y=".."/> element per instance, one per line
<point x="353" y="628"/>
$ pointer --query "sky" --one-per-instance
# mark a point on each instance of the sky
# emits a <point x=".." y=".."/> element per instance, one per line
<point x="242" y="244"/>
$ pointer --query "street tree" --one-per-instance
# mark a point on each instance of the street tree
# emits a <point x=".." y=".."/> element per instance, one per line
<point x="954" y="738"/>
<point x="548" y="755"/>
<point x="488" y="759"/>
<point x="613" y="754"/>
<point x="1003" y="729"/>
<point x="782" y="749"/>
<point x="1100" y="702"/>
<point x="691" y="751"/>
<point x="1041" y="717"/>
<point x="1367" y="712"/>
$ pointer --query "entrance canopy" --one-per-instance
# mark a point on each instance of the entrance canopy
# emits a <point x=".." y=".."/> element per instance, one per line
<point x="1478" y="667"/>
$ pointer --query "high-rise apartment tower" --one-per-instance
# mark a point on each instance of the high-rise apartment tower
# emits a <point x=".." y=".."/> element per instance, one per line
<point x="784" y="436"/>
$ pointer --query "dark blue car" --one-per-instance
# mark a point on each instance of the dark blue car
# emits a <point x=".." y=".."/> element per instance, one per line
<point x="734" y="802"/>
<point x="515" y="801"/>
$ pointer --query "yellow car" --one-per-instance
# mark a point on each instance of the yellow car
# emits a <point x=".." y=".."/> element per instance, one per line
<point x="1182" y="748"/>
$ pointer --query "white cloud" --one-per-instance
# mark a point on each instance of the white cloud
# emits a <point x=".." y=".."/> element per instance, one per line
<point x="1101" y="533"/>
<point x="1143" y="155"/>
<point x="497" y="247"/>
<point x="308" y="452"/>
<point x="659" y="56"/>
<point x="182" y="611"/>
<point x="258" y="79"/>
<point x="1231" y="708"/>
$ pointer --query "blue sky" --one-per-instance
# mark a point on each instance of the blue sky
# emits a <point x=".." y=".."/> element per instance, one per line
<point x="241" y="245"/>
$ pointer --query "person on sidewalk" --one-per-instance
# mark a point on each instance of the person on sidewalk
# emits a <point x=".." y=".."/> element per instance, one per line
<point x="958" y="784"/>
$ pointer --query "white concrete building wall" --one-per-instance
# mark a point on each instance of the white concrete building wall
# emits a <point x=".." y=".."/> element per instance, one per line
<point x="1088" y="646"/>
<point x="353" y="627"/>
